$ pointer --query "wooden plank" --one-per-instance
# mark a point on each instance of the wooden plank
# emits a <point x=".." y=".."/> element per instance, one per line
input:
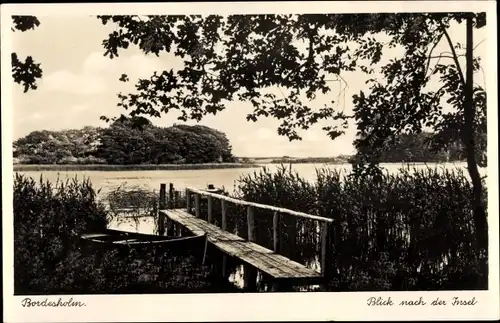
<point x="173" y="216"/>
<point x="213" y="231"/>
<point x="193" y="223"/>
<point x="221" y="236"/>
<point x="199" y="225"/>
<point x="266" y="262"/>
<point x="263" y="261"/>
<point x="250" y="257"/>
<point x="212" y="228"/>
<point x="232" y="249"/>
<point x="299" y="269"/>
<point x="256" y="248"/>
<point x="176" y="213"/>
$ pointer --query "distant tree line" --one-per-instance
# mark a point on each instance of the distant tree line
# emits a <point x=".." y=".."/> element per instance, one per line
<point x="312" y="160"/>
<point x="125" y="142"/>
<point x="421" y="148"/>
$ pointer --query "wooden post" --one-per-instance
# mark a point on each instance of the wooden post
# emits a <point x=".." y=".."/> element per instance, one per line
<point x="171" y="196"/>
<point x="188" y="200"/>
<point x="275" y="287"/>
<point x="223" y="227"/>
<point x="276" y="232"/>
<point x="291" y="236"/>
<point x="223" y="211"/>
<point x="326" y="253"/>
<point x="197" y="198"/>
<point x="176" y="198"/>
<point x="250" y="224"/>
<point x="209" y="207"/>
<point x="171" y="191"/>
<point x="162" y="205"/>
<point x="250" y="273"/>
<point x="170" y="226"/>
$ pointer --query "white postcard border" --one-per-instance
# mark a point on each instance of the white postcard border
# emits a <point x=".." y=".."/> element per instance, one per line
<point x="249" y="307"/>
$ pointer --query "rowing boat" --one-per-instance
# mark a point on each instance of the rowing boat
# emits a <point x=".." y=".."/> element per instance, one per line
<point x="125" y="241"/>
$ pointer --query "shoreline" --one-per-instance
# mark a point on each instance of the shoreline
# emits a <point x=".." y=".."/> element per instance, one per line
<point x="176" y="167"/>
<point x="100" y="167"/>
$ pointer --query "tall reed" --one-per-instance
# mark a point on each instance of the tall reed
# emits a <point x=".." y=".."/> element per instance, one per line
<point x="49" y="258"/>
<point x="48" y="220"/>
<point x="412" y="230"/>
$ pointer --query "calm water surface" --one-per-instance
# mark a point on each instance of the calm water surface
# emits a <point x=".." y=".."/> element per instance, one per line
<point x="151" y="179"/>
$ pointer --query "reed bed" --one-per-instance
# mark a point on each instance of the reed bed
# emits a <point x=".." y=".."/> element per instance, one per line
<point x="407" y="231"/>
<point x="49" y="258"/>
<point x="101" y="167"/>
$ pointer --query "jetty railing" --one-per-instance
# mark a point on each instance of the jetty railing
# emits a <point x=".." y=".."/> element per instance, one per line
<point x="250" y="208"/>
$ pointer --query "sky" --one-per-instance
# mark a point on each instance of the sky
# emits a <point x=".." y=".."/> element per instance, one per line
<point x="79" y="85"/>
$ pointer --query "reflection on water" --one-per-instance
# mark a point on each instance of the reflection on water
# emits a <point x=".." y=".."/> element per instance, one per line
<point x="143" y="225"/>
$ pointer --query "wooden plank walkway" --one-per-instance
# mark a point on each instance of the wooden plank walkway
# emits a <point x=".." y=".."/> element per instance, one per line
<point x="274" y="265"/>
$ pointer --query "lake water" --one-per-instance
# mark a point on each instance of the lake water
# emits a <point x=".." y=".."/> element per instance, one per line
<point x="107" y="180"/>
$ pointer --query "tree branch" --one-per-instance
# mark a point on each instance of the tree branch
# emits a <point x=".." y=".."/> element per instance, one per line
<point x="430" y="53"/>
<point x="442" y="56"/>
<point x="455" y="57"/>
<point x="310" y="56"/>
<point x="482" y="41"/>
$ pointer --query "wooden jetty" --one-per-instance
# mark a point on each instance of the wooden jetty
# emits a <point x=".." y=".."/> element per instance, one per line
<point x="281" y="271"/>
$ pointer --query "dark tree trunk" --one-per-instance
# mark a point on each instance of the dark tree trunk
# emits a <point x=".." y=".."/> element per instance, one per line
<point x="468" y="138"/>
